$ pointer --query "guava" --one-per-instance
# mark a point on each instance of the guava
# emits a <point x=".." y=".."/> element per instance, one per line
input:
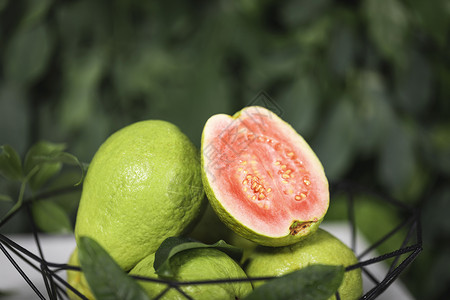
<point x="143" y="185"/>
<point x="320" y="247"/>
<point x="262" y="178"/>
<point x="77" y="280"/>
<point x="197" y="265"/>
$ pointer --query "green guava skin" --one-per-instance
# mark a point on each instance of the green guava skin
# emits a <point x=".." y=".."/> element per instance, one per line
<point x="77" y="279"/>
<point x="143" y="185"/>
<point x="319" y="248"/>
<point x="197" y="265"/>
<point x="243" y="230"/>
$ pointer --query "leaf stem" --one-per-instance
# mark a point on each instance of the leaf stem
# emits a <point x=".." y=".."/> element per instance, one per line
<point x="38" y="197"/>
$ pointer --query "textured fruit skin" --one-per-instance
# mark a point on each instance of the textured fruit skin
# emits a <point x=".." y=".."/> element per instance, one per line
<point x="77" y="280"/>
<point x="197" y="265"/>
<point x="237" y="226"/>
<point x="319" y="248"/>
<point x="142" y="186"/>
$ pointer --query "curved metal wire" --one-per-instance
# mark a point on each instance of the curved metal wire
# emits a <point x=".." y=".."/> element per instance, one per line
<point x="56" y="287"/>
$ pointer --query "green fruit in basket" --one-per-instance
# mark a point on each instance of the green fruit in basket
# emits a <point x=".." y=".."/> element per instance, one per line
<point x="77" y="280"/>
<point x="319" y="248"/>
<point x="197" y="265"/>
<point x="142" y="186"/>
<point x="262" y="178"/>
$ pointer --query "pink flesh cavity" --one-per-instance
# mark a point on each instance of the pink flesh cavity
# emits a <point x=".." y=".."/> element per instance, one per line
<point x="263" y="173"/>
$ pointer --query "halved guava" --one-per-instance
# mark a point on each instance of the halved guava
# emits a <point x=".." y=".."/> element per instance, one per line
<point x="262" y="178"/>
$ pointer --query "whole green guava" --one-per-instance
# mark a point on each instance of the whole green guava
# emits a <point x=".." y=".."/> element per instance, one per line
<point x="197" y="265"/>
<point x="143" y="185"/>
<point x="319" y="248"/>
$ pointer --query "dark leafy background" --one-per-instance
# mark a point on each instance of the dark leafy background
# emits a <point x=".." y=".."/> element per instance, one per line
<point x="367" y="83"/>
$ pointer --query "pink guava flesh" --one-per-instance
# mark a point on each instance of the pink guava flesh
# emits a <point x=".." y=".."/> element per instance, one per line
<point x="263" y="172"/>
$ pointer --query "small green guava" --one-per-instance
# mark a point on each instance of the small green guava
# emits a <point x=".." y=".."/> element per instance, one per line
<point x="320" y="247"/>
<point x="77" y="280"/>
<point x="197" y="265"/>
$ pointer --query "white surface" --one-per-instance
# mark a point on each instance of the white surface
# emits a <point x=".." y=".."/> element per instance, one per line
<point x="57" y="249"/>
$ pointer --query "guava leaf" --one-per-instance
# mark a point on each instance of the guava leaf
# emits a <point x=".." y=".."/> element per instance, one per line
<point x="343" y="51"/>
<point x="335" y="143"/>
<point x="49" y="157"/>
<point x="301" y="114"/>
<point x="28" y="53"/>
<point x="50" y="217"/>
<point x="387" y="22"/>
<point x="414" y="85"/>
<point x="315" y="282"/>
<point x="105" y="278"/>
<point x="35" y="11"/>
<point x="397" y="159"/>
<point x="20" y="198"/>
<point x="5" y="198"/>
<point x="174" y="245"/>
<point x="10" y="165"/>
<point x="37" y="157"/>
<point x="301" y="12"/>
<point x="68" y="159"/>
<point x="373" y="113"/>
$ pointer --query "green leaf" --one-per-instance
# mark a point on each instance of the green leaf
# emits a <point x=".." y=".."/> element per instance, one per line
<point x="315" y="282"/>
<point x="397" y="158"/>
<point x="414" y="85"/>
<point x="46" y="171"/>
<point x="39" y="152"/>
<point x="6" y="198"/>
<point x="373" y="112"/>
<point x="21" y="194"/>
<point x="174" y="245"/>
<point x="316" y="35"/>
<point x="438" y="141"/>
<point x="15" y="117"/>
<point x="41" y="155"/>
<point x="10" y="164"/>
<point x="69" y="199"/>
<point x="335" y="143"/>
<point x="343" y="50"/>
<point x="300" y="103"/>
<point x="35" y="11"/>
<point x="375" y="219"/>
<point x="432" y="17"/>
<point x="64" y="158"/>
<point x="49" y="158"/>
<point x="294" y="13"/>
<point x="49" y="217"/>
<point x="27" y="54"/>
<point x="388" y="25"/>
<point x="105" y="278"/>
<point x="80" y="87"/>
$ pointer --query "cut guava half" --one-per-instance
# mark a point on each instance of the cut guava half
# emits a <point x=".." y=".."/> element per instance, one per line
<point x="262" y="178"/>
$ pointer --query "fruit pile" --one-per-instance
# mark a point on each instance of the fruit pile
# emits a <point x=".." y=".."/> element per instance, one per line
<point x="147" y="183"/>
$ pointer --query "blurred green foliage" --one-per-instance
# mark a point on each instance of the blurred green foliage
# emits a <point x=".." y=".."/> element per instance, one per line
<point x="367" y="83"/>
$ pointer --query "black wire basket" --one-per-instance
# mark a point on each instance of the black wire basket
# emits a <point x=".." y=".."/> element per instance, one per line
<point x="397" y="259"/>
